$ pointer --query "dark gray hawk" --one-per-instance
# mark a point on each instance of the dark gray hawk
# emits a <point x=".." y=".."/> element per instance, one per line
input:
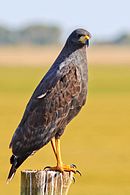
<point x="56" y="101"/>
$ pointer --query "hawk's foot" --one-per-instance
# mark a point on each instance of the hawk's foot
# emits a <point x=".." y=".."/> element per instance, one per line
<point x="62" y="168"/>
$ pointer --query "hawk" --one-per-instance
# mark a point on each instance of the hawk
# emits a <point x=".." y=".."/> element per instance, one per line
<point x="55" y="102"/>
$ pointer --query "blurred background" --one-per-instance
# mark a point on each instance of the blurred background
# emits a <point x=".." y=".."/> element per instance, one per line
<point x="32" y="34"/>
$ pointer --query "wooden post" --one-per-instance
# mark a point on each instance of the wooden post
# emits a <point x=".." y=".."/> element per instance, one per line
<point x="45" y="182"/>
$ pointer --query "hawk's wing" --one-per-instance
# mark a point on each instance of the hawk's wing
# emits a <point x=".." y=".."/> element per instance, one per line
<point x="47" y="109"/>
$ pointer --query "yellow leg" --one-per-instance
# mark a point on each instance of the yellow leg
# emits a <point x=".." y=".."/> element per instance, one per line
<point x="58" y="152"/>
<point x="54" y="147"/>
<point x="60" y="166"/>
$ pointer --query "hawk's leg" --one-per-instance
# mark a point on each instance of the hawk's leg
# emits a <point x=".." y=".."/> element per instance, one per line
<point x="54" y="146"/>
<point x="60" y="166"/>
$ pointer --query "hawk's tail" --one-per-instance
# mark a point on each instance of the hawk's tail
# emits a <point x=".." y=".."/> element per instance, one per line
<point x="16" y="162"/>
<point x="13" y="161"/>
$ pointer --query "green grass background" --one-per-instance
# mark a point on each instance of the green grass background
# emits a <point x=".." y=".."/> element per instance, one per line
<point x="97" y="140"/>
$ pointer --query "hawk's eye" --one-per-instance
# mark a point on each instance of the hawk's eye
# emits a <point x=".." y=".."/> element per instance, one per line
<point x="79" y="35"/>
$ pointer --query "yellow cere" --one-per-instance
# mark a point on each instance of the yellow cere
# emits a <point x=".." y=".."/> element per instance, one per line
<point x="87" y="37"/>
<point x="84" y="38"/>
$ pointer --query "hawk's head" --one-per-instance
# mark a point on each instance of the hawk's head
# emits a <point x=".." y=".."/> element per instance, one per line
<point x="80" y="37"/>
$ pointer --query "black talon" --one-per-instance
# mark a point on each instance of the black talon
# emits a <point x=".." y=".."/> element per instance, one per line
<point x="47" y="167"/>
<point x="73" y="180"/>
<point x="78" y="172"/>
<point x="73" y="166"/>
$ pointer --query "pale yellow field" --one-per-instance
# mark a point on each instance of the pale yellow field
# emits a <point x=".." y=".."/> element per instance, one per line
<point x="39" y="56"/>
<point x="97" y="140"/>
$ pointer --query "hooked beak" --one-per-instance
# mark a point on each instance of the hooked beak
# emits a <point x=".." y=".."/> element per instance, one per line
<point x="85" y="40"/>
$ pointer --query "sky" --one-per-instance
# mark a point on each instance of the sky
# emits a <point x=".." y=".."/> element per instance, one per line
<point x="104" y="19"/>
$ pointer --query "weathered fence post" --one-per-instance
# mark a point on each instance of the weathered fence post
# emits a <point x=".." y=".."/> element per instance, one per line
<point x="45" y="182"/>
